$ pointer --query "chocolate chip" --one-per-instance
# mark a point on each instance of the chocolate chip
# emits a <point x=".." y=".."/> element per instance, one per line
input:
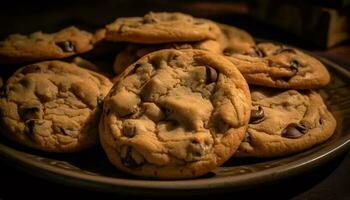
<point x="58" y="129"/>
<point x="28" y="112"/>
<point x="136" y="66"/>
<point x="29" y="127"/>
<point x="294" y="64"/>
<point x="69" y="132"/>
<point x="320" y="121"/>
<point x="257" y="116"/>
<point x="228" y="51"/>
<point x="129" y="131"/>
<point x="128" y="160"/>
<point x="35" y="127"/>
<point x="285" y="78"/>
<point x="282" y="50"/>
<point x="257" y="52"/>
<point x="294" y="131"/>
<point x="194" y="142"/>
<point x="212" y="75"/>
<point x="197" y="149"/>
<point x="66" y="46"/>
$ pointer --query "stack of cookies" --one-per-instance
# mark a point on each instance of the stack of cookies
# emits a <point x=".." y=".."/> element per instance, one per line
<point x="188" y="94"/>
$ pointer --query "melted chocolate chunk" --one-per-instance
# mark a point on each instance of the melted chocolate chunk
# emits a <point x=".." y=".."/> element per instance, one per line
<point x="257" y="52"/>
<point x="286" y="78"/>
<point x="66" y="46"/>
<point x="128" y="160"/>
<point x="136" y="66"/>
<point x="294" y="64"/>
<point x="197" y="149"/>
<point x="69" y="132"/>
<point x="28" y="112"/>
<point x="212" y="75"/>
<point x="129" y="131"/>
<point x="257" y="116"/>
<point x="30" y="127"/>
<point x="294" y="131"/>
<point x="320" y="121"/>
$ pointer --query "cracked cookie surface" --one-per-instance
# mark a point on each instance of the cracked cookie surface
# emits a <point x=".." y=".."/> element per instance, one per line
<point x="134" y="52"/>
<point x="161" y="27"/>
<point x="41" y="46"/>
<point x="285" y="122"/>
<point x="175" y="114"/>
<point x="53" y="106"/>
<point x="280" y="66"/>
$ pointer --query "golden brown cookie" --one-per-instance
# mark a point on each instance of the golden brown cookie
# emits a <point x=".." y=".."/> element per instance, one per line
<point x="161" y="27"/>
<point x="53" y="106"/>
<point x="285" y="122"/>
<point x="234" y="40"/>
<point x="41" y="46"/>
<point x="281" y="67"/>
<point x="134" y="52"/>
<point x="175" y="114"/>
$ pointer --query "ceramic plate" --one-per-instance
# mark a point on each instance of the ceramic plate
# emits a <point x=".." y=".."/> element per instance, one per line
<point x="92" y="170"/>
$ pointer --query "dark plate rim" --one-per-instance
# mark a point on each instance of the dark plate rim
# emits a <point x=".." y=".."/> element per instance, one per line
<point x="119" y="185"/>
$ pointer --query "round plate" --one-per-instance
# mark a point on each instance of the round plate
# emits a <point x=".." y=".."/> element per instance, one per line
<point x="92" y="169"/>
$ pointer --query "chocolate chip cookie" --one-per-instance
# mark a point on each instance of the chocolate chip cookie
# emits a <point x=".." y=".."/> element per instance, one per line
<point x="161" y="27"/>
<point x="134" y="52"/>
<point x="41" y="46"/>
<point x="234" y="40"/>
<point x="53" y="106"/>
<point x="175" y="114"/>
<point x="285" y="122"/>
<point x="280" y="66"/>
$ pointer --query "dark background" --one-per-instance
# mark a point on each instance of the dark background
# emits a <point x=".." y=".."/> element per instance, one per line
<point x="330" y="181"/>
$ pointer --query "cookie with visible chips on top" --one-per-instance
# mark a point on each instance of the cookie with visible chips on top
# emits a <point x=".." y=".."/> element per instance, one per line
<point x="283" y="122"/>
<point x="53" y="106"/>
<point x="41" y="46"/>
<point x="279" y="66"/>
<point x="175" y="114"/>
